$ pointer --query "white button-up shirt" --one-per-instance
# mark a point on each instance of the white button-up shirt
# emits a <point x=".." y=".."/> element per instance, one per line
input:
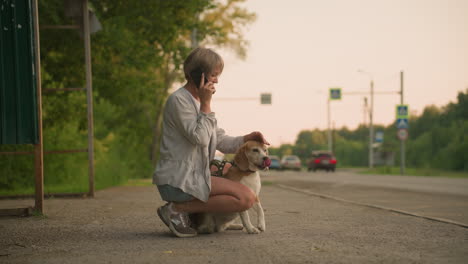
<point x="189" y="141"/>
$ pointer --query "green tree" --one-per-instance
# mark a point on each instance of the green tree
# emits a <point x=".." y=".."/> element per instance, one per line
<point x="438" y="139"/>
<point x="137" y="57"/>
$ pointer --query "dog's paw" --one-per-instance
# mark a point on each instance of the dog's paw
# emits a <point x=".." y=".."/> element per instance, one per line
<point x="235" y="227"/>
<point x="261" y="227"/>
<point x="253" y="230"/>
<point x="222" y="228"/>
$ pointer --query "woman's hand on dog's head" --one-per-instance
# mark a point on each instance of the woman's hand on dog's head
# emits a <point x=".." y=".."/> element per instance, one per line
<point x="256" y="136"/>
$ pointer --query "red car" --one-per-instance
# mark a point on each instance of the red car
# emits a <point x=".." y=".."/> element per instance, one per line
<point x="323" y="160"/>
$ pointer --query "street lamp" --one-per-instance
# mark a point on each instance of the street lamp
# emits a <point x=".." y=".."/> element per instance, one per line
<point x="364" y="120"/>
<point x="371" y="111"/>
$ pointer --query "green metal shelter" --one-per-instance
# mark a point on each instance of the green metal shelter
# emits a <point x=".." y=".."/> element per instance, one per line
<point x="20" y="85"/>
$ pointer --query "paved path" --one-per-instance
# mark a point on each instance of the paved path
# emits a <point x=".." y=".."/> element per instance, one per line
<point x="120" y="226"/>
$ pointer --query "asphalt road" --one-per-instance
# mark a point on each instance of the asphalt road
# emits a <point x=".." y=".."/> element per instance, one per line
<point x="120" y="226"/>
<point x="433" y="197"/>
<point x="456" y="186"/>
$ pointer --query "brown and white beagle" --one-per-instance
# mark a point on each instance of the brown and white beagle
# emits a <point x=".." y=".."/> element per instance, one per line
<point x="251" y="157"/>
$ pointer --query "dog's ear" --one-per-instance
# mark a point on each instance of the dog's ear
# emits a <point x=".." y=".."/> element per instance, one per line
<point x="241" y="159"/>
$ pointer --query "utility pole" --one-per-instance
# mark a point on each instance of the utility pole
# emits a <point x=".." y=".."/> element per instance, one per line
<point x="402" y="142"/>
<point x="329" y="132"/>
<point x="333" y="137"/>
<point x="365" y="112"/>
<point x="194" y="39"/>
<point x="194" y="35"/>
<point x="333" y="94"/>
<point x="371" y="111"/>
<point x="371" y="127"/>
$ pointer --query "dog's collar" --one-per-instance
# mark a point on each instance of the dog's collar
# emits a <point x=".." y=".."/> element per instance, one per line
<point x="235" y="165"/>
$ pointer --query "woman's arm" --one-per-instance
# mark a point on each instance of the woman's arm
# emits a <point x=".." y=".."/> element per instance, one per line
<point x="197" y="128"/>
<point x="228" y="144"/>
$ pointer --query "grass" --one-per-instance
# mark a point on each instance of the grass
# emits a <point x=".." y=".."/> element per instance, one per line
<point x="38" y="214"/>
<point x="72" y="188"/>
<point x="47" y="189"/>
<point x="267" y="183"/>
<point x="139" y="182"/>
<point x="414" y="172"/>
<point x="83" y="187"/>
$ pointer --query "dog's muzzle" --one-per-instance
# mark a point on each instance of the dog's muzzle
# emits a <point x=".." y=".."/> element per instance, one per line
<point x="266" y="163"/>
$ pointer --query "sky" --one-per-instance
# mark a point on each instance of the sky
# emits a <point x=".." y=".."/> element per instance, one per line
<point x="301" y="48"/>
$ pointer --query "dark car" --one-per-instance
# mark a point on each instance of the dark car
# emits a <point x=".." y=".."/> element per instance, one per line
<point x="275" y="163"/>
<point x="322" y="160"/>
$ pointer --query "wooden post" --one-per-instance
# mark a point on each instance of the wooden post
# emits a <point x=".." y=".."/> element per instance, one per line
<point x="89" y="96"/>
<point x="38" y="148"/>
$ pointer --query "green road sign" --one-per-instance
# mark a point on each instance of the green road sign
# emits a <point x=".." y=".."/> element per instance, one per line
<point x="265" y="98"/>
<point x="335" y="93"/>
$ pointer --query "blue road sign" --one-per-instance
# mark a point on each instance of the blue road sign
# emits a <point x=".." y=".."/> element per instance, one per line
<point x="402" y="123"/>
<point x="379" y="136"/>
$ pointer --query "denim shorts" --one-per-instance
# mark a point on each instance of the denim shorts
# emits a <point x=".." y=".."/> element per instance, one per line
<point x="172" y="194"/>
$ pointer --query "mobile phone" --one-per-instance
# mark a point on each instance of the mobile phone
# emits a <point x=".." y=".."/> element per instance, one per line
<point x="196" y="76"/>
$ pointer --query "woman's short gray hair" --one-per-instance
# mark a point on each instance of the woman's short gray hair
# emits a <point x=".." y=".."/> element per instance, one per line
<point x="203" y="58"/>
